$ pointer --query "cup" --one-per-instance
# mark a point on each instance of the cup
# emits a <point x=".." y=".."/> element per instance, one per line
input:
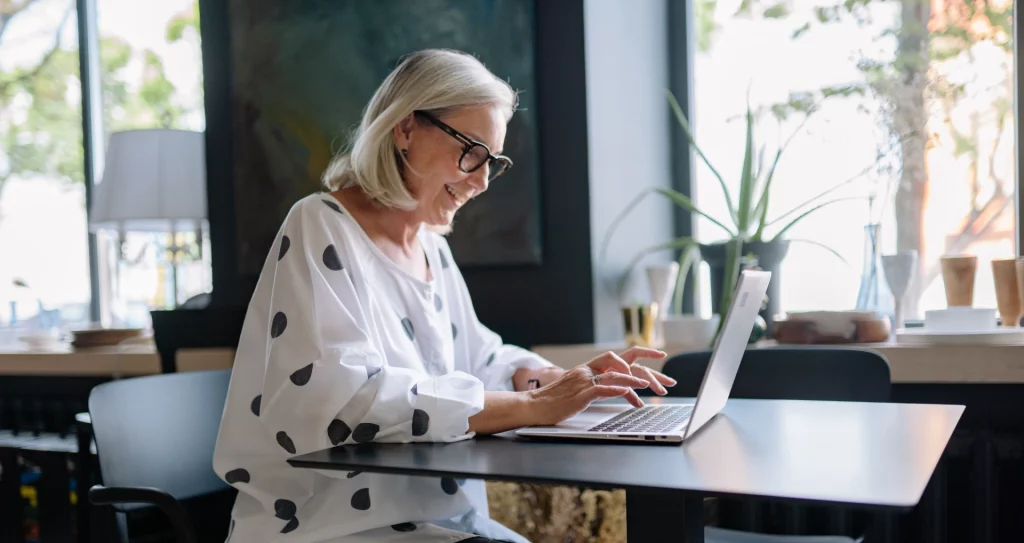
<point x="958" y="274"/>
<point x="1020" y="280"/>
<point x="1005" y="276"/>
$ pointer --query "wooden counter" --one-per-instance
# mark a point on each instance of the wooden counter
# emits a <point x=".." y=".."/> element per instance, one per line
<point x="950" y="364"/>
<point x="123" y="361"/>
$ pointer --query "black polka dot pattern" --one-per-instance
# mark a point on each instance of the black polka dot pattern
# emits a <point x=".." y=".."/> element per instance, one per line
<point x="438" y="304"/>
<point x="416" y="389"/>
<point x="490" y="359"/>
<point x="338" y="431"/>
<point x="420" y="422"/>
<point x="365" y="432"/>
<point x="407" y="325"/>
<point x="444" y="259"/>
<point x="455" y="331"/>
<point x="361" y="499"/>
<point x="286" y="243"/>
<point x="302" y="375"/>
<point x="404" y="527"/>
<point x="332" y="205"/>
<point x="285" y="442"/>
<point x="278" y="325"/>
<point x="331" y="259"/>
<point x="449" y="486"/>
<point x="352" y="474"/>
<point x="236" y="476"/>
<point x="284" y="509"/>
<point x="291" y="526"/>
<point x="255" y="405"/>
<point x="372" y="370"/>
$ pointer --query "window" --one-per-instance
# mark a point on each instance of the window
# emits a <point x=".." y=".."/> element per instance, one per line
<point x="151" y="77"/>
<point x="913" y="129"/>
<point x="44" y="251"/>
<point x="151" y="62"/>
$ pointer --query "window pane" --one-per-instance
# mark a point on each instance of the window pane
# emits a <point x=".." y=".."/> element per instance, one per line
<point x="152" y="78"/>
<point x="913" y="128"/>
<point x="44" y="256"/>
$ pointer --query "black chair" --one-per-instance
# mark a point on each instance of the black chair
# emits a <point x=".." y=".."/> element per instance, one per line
<point x="155" y="438"/>
<point x="792" y="373"/>
<point x="194" y="328"/>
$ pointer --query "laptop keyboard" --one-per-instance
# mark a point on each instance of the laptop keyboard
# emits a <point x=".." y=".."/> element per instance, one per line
<point x="647" y="419"/>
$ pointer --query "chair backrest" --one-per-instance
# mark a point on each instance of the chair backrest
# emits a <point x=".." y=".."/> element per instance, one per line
<point x="195" y="328"/>
<point x="160" y="431"/>
<point x="793" y="373"/>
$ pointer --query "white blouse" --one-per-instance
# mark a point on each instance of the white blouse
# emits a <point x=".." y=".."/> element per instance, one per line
<point x="342" y="346"/>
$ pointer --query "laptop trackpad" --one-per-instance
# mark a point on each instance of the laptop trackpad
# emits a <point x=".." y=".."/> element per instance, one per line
<point x="592" y="416"/>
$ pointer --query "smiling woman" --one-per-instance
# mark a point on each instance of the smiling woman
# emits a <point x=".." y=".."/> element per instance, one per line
<point x="362" y="329"/>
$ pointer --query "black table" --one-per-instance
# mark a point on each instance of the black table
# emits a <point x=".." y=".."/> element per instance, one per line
<point x="873" y="455"/>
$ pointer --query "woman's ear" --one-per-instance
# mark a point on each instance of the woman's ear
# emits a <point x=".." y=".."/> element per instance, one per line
<point x="403" y="131"/>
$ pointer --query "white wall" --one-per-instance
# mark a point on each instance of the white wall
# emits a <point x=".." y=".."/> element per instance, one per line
<point x="628" y="141"/>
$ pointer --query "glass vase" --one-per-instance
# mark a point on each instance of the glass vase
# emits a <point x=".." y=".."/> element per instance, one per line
<point x="874" y="294"/>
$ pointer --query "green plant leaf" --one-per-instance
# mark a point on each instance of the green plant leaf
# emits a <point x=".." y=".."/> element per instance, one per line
<point x="693" y="141"/>
<point x="823" y="246"/>
<point x="812" y="210"/>
<point x="777" y="11"/>
<point x="747" y="179"/>
<point x="733" y="250"/>
<point x="761" y="210"/>
<point x="684" y="201"/>
<point x="687" y="258"/>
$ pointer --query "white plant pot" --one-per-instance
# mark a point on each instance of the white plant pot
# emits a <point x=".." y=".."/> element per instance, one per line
<point x="690" y="331"/>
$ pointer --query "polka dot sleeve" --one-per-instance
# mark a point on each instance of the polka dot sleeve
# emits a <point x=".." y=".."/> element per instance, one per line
<point x="488" y="357"/>
<point x="325" y="381"/>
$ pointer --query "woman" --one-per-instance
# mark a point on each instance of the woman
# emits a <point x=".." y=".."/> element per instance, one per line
<point x="361" y="329"/>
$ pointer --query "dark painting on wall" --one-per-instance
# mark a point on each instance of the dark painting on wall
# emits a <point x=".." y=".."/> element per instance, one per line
<point x="302" y="71"/>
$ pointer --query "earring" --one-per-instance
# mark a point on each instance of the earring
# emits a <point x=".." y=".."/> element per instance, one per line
<point x="405" y="153"/>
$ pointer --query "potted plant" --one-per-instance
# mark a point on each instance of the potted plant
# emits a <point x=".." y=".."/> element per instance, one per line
<point x="747" y="241"/>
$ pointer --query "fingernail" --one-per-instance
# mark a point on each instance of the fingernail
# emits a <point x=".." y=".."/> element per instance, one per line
<point x="671" y="382"/>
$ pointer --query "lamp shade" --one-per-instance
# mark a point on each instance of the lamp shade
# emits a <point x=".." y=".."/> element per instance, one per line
<point x="153" y="181"/>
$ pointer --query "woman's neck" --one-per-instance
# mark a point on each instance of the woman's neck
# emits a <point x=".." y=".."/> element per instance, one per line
<point x="393" y="231"/>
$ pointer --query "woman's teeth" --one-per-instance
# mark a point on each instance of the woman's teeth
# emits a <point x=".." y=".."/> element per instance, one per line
<point x="455" y="196"/>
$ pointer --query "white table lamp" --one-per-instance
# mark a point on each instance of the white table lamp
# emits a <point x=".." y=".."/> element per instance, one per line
<point x="153" y="181"/>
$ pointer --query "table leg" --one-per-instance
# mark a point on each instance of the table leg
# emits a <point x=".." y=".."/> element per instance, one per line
<point x="664" y="515"/>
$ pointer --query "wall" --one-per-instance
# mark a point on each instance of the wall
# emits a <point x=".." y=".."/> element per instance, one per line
<point x="628" y="122"/>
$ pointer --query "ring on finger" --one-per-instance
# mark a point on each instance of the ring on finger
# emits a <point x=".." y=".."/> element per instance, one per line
<point x="596" y="379"/>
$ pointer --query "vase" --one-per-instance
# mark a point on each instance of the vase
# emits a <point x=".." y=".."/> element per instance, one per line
<point x="899" y="275"/>
<point x="766" y="255"/>
<point x="873" y="293"/>
<point x="661" y="279"/>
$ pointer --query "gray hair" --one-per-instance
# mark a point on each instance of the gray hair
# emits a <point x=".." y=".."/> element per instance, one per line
<point x="437" y="81"/>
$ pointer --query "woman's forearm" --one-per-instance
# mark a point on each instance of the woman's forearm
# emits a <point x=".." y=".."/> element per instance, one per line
<point x="502" y="411"/>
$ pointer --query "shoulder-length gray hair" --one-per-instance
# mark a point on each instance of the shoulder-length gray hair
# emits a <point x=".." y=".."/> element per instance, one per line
<point x="434" y="80"/>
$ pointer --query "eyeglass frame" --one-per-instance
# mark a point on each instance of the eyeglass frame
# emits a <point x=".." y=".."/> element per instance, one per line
<point x="469" y="144"/>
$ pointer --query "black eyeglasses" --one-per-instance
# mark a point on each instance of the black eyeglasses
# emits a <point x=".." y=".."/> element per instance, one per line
<point x="475" y="154"/>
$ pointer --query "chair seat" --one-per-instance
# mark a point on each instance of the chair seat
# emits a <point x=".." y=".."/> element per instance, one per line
<point x="722" y="535"/>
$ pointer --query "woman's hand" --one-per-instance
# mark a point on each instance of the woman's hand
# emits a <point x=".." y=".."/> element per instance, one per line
<point x="607" y="376"/>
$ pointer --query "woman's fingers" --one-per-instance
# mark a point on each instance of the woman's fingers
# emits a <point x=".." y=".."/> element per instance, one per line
<point x="648" y="375"/>
<point x="662" y="378"/>
<point x="609" y="361"/>
<point x="604" y="391"/>
<point x="636" y="353"/>
<point x="622" y="379"/>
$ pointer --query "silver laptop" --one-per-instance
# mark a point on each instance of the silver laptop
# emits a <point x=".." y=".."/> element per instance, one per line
<point x="678" y="421"/>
